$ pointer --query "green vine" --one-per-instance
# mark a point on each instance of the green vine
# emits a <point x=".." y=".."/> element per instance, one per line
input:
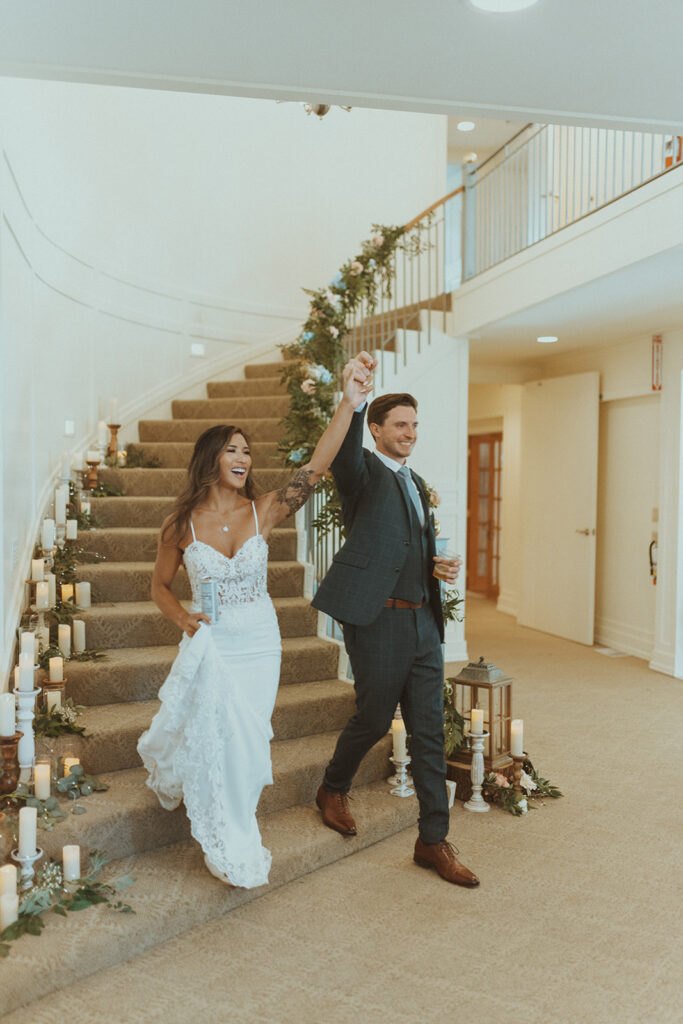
<point x="59" y="721"/>
<point x="136" y="457"/>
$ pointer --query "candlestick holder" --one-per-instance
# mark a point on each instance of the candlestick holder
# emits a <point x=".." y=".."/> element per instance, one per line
<point x="517" y="771"/>
<point x="90" y="478"/>
<point x="400" y="786"/>
<point x="27" y="870"/>
<point x="476" y="802"/>
<point x="9" y="768"/>
<point x="112" y="450"/>
<point x="26" y="703"/>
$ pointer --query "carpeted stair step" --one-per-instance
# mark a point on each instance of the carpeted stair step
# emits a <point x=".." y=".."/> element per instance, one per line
<point x="139" y="544"/>
<point x="128" y="818"/>
<point x="266" y="386"/>
<point x="252" y="370"/>
<point x="113" y="730"/>
<point x="165" y="482"/>
<point x="177" y="454"/>
<point x="136" y="673"/>
<point x="269" y="429"/>
<point x="131" y="581"/>
<point x="229" y="410"/>
<point x="174" y="892"/>
<point x="141" y="624"/>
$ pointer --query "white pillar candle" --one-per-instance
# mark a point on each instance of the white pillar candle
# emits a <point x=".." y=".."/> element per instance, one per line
<point x="113" y="410"/>
<point x="56" y="667"/>
<point x="53" y="699"/>
<point x="71" y="863"/>
<point x="47" y="534"/>
<point x="60" y="506"/>
<point x="71" y="529"/>
<point x="37" y="569"/>
<point x="77" y="462"/>
<point x="9" y="910"/>
<point x="43" y="595"/>
<point x="92" y="455"/>
<point x="83" y="599"/>
<point x="398" y="732"/>
<point x="68" y="763"/>
<point x="65" y="466"/>
<point x="41" y="781"/>
<point x="517" y="737"/>
<point x="64" y="639"/>
<point x="102" y="435"/>
<point x="67" y="591"/>
<point x="477" y="721"/>
<point x="28" y="643"/>
<point x="8" y="719"/>
<point x="28" y="817"/>
<point x="26" y="672"/>
<point x="79" y="635"/>
<point x="8" y="880"/>
<point x="51" y="581"/>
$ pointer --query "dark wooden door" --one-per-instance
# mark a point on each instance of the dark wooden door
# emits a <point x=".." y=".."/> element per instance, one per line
<point x="483" y="513"/>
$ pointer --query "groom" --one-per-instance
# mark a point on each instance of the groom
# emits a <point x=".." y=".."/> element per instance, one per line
<point x="381" y="589"/>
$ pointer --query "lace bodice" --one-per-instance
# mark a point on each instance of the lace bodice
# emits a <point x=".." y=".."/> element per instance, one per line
<point x="239" y="579"/>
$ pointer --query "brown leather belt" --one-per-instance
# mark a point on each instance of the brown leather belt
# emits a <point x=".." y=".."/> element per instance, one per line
<point x="396" y="602"/>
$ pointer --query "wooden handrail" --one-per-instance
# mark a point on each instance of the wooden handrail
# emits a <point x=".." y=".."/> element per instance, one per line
<point x="430" y="209"/>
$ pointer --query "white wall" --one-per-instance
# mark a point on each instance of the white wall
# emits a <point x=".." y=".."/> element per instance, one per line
<point x="134" y="223"/>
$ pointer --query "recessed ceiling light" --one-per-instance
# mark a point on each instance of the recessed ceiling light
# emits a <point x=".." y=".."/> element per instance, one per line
<point x="501" y="6"/>
<point x="465" y="126"/>
<point x="547" y="339"/>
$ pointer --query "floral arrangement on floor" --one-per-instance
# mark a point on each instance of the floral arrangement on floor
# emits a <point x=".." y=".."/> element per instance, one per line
<point x="59" y="721"/>
<point x="51" y="894"/>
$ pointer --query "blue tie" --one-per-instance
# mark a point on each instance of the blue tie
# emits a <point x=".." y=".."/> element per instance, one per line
<point x="409" y="486"/>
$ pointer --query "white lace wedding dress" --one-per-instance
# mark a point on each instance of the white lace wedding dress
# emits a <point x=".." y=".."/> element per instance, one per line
<point x="209" y="743"/>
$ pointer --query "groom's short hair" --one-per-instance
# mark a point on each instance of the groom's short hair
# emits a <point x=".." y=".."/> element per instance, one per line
<point x="385" y="403"/>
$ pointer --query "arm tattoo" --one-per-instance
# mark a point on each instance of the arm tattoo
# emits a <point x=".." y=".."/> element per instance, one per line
<point x="297" y="492"/>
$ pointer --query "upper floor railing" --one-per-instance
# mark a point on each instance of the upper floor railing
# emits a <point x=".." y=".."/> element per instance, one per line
<point x="550" y="176"/>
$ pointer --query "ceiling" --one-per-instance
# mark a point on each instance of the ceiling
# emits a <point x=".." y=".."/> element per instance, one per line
<point x="605" y="63"/>
<point x="641" y="299"/>
<point x="487" y="136"/>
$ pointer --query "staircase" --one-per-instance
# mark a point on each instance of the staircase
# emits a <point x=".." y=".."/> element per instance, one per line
<point x="173" y="890"/>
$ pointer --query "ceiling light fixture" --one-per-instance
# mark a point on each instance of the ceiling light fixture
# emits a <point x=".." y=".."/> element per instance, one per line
<point x="465" y="126"/>
<point x="501" y="6"/>
<point x="470" y="158"/>
<point x="547" y="339"/>
<point x="320" y="109"/>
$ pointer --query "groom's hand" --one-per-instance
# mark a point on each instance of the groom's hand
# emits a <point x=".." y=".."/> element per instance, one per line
<point x="357" y="377"/>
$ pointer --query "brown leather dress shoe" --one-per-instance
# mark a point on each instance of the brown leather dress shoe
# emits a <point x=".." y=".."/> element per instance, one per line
<point x="442" y="857"/>
<point x="335" y="810"/>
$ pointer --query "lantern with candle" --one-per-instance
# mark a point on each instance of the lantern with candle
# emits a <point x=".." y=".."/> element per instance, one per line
<point x="485" y="690"/>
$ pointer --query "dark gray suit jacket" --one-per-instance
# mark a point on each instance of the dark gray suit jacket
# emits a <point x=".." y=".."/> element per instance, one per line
<point x="377" y="517"/>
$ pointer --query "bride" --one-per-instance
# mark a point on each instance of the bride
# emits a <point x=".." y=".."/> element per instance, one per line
<point x="209" y="743"/>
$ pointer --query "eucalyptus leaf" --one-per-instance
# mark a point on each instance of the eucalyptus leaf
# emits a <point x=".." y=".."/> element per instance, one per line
<point x="77" y="770"/>
<point x="78" y="809"/>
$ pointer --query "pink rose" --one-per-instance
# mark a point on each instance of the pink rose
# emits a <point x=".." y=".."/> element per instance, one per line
<point x="377" y="240"/>
<point x="308" y="387"/>
<point x="334" y="331"/>
<point x="434" y="498"/>
<point x="502" y="781"/>
<point x="356" y="268"/>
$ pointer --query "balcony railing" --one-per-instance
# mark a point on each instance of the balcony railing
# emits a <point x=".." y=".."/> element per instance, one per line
<point x="550" y="176"/>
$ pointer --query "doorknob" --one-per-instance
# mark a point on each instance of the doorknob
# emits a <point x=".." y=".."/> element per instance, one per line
<point x="585" y="533"/>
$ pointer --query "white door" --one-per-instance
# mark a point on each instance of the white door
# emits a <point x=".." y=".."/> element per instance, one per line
<point x="559" y="483"/>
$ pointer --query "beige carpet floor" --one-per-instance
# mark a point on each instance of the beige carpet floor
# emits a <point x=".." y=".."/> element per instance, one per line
<point x="578" y="917"/>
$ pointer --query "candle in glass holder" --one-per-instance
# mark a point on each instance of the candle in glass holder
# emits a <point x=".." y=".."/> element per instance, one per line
<point x="41" y="781"/>
<point x="71" y="863"/>
<point x="43" y="595"/>
<point x="71" y="529"/>
<point x="60" y="506"/>
<point x="64" y="639"/>
<point x="28" y="817"/>
<point x="67" y="591"/>
<point x="26" y="672"/>
<point x="79" y="635"/>
<point x="53" y="699"/>
<point x="9" y="909"/>
<point x="47" y="534"/>
<point x="8" y="721"/>
<point x="37" y="569"/>
<point x="398" y="732"/>
<point x="517" y="737"/>
<point x="83" y="598"/>
<point x="68" y="763"/>
<point x="477" y="721"/>
<point x="56" y="667"/>
<point x="8" y="880"/>
<point x="51" y="581"/>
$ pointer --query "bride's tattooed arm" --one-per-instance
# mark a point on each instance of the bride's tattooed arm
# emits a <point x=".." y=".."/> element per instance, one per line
<point x="299" y="489"/>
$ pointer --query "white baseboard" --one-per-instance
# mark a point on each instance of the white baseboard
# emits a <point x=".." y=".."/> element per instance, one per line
<point x="664" y="660"/>
<point x="624" y="637"/>
<point x="508" y="602"/>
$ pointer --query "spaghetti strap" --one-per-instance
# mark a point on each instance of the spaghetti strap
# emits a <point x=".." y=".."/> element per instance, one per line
<point x="253" y="508"/>
<point x="194" y="535"/>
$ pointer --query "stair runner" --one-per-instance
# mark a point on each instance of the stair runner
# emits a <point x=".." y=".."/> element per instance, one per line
<point x="173" y="890"/>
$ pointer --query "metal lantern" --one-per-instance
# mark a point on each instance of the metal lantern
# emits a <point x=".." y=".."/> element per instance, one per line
<point x="483" y="685"/>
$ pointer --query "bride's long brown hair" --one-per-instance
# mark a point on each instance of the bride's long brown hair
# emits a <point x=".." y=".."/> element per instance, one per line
<point x="202" y="472"/>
